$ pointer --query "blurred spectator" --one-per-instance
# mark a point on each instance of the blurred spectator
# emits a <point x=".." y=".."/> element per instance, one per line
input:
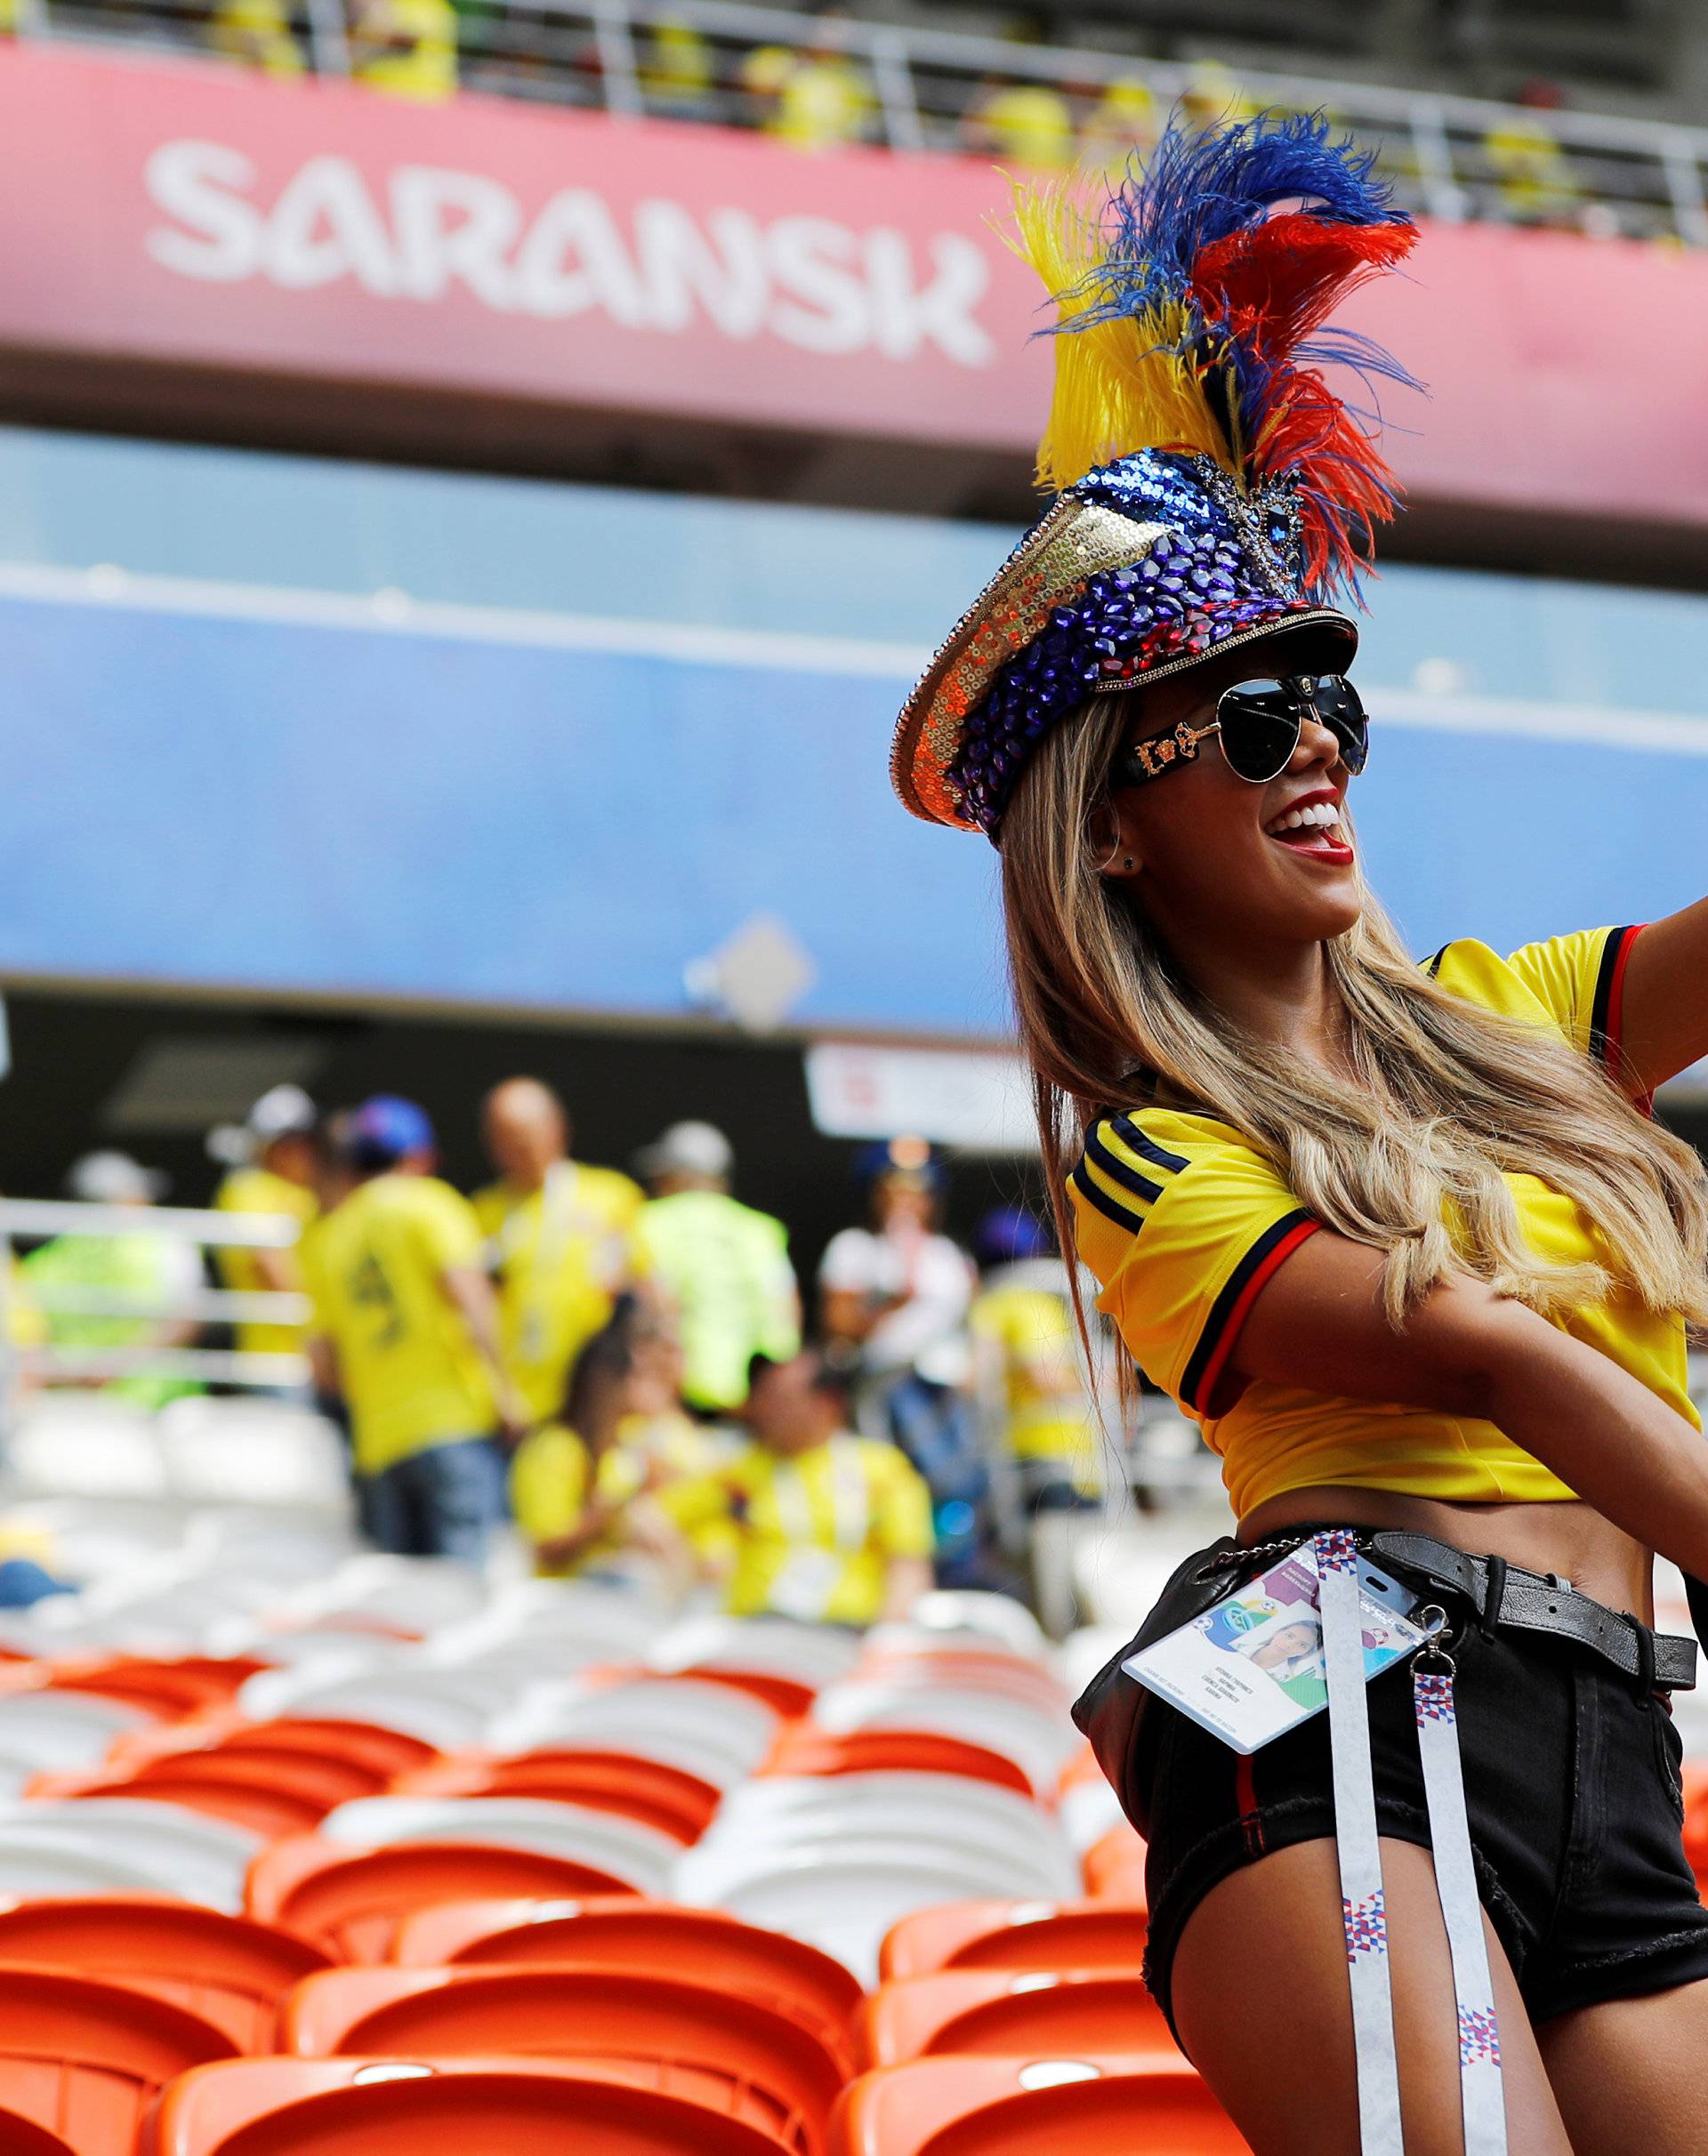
<point x="1531" y="169"/>
<point x="560" y="1238"/>
<point x="279" y="1178"/>
<point x="622" y="1436"/>
<point x="814" y="100"/>
<point x="827" y="1527"/>
<point x="677" y="69"/>
<point x="1026" y="125"/>
<point x="406" y="48"/>
<point x="1212" y="95"/>
<point x="256" y="33"/>
<point x="894" y="1297"/>
<point x="158" y="1272"/>
<point x="723" y="1266"/>
<point x="1028" y="1349"/>
<point x="1124" y="121"/>
<point x="406" y="1329"/>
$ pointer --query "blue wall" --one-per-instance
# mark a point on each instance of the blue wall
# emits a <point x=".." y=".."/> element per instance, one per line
<point x="604" y="729"/>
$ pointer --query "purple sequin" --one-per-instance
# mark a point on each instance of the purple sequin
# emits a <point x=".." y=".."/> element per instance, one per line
<point x="1227" y="562"/>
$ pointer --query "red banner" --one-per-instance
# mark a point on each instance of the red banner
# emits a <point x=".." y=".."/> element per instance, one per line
<point x="201" y="217"/>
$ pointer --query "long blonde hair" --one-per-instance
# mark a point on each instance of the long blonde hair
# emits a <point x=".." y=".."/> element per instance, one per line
<point x="1447" y="1094"/>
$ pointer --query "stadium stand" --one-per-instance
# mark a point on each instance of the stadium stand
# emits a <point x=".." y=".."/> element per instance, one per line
<point x="819" y="81"/>
<point x="372" y="1851"/>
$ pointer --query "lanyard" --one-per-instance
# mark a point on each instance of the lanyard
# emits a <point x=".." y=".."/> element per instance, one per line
<point x="850" y="1505"/>
<point x="1362" y="1906"/>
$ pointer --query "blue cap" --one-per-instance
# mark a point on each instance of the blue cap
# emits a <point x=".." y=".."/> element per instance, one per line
<point x="387" y="1129"/>
<point x="1010" y="1234"/>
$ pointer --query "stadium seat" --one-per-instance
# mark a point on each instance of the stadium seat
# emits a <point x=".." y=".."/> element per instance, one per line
<point x="231" y="1790"/>
<point x="1033" y="2107"/>
<point x="43" y="1730"/>
<point x="416" y="2107"/>
<point x="181" y="1852"/>
<point x="703" y="1728"/>
<point x="1092" y="2014"/>
<point x="563" y="2013"/>
<point x="965" y="1615"/>
<point x="21" y="2137"/>
<point x="660" y="1797"/>
<point x="841" y="1898"/>
<point x="924" y="1816"/>
<point x="351" y="1903"/>
<point x="229" y="1970"/>
<point x="639" y="1856"/>
<point x="1017" y="1936"/>
<point x="659" y="1938"/>
<point x="85" y="2058"/>
<point x="813" y="1656"/>
<point x="1115" y="1865"/>
<point x="803" y="1750"/>
<point x="1037" y="1740"/>
<point x="446" y="1709"/>
<point x="172" y="1688"/>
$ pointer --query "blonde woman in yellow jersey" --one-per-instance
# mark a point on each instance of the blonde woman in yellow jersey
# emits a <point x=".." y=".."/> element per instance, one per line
<point x="1402" y="1238"/>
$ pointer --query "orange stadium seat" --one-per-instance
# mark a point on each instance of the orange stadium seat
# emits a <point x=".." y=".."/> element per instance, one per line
<point x="654" y="1938"/>
<point x="352" y="1902"/>
<point x="1115" y="1866"/>
<point x="233" y="1790"/>
<point x="560" y="2013"/>
<point x="172" y="1689"/>
<point x="365" y="1758"/>
<point x="677" y="1803"/>
<point x="801" y="1750"/>
<point x="229" y="1970"/>
<point x="21" y="2137"/>
<point x="390" y="2107"/>
<point x="1033" y="2107"/>
<point x="85" y="2059"/>
<point x="787" y="1694"/>
<point x="1092" y="2014"/>
<point x="1017" y="1935"/>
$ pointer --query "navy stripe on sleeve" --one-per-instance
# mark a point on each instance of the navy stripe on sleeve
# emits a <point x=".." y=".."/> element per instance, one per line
<point x="1088" y="1190"/>
<point x="1147" y="1148"/>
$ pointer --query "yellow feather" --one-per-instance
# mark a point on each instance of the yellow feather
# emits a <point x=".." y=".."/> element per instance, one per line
<point x="1120" y="385"/>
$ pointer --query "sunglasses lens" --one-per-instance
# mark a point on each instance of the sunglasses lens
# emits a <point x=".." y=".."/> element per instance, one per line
<point x="1341" y="709"/>
<point x="1259" y="729"/>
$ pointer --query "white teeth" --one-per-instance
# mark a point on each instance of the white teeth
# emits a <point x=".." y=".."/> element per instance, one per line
<point x="1314" y="815"/>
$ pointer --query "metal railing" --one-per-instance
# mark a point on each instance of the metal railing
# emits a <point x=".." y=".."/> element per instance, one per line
<point x="1449" y="157"/>
<point x="26" y="1304"/>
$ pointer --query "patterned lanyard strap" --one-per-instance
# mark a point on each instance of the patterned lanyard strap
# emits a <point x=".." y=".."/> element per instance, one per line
<point x="1363" y="1910"/>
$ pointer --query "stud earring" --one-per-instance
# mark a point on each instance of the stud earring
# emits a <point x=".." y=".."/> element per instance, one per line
<point x="1127" y="864"/>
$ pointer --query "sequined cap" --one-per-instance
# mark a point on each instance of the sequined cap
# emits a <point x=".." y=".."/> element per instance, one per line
<point x="1211" y="489"/>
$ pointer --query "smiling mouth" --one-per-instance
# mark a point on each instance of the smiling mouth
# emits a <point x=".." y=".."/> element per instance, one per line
<point x="1314" y="830"/>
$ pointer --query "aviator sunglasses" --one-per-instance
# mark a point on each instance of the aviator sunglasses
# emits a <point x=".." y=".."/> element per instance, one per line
<point x="1260" y="722"/>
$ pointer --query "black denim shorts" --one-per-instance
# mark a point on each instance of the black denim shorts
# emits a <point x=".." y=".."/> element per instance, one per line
<point x="1573" y="1787"/>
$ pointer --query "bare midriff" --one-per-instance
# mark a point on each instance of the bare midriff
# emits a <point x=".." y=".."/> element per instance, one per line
<point x="1571" y="1540"/>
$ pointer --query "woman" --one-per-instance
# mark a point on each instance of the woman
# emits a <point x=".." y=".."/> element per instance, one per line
<point x="1400" y="1238"/>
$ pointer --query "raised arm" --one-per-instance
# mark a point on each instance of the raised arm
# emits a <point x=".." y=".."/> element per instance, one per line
<point x="1665" y="1022"/>
<point x="1318" y="1324"/>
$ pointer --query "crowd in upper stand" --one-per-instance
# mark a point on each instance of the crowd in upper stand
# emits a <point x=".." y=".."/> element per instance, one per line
<point x="618" y="1364"/>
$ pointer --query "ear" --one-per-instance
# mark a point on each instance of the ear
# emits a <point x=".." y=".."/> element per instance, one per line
<point x="1115" y="844"/>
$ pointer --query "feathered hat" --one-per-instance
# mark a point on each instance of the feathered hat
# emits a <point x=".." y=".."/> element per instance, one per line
<point x="1210" y="487"/>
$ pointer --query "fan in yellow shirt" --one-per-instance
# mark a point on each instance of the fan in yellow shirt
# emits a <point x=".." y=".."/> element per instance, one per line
<point x="1027" y="1355"/>
<point x="827" y="1527"/>
<point x="623" y="1436"/>
<point x="278" y="1179"/>
<point x="560" y="1239"/>
<point x="405" y="1327"/>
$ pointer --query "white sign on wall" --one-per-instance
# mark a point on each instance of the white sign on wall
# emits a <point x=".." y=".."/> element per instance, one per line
<point x="976" y="1101"/>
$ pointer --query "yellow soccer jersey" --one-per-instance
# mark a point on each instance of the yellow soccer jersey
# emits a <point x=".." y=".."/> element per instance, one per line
<point x="549" y="1477"/>
<point x="1031" y="1334"/>
<point x="560" y="1255"/>
<point x="258" y="1190"/>
<point x="814" y="1536"/>
<point x="374" y="1267"/>
<point x="1182" y="1222"/>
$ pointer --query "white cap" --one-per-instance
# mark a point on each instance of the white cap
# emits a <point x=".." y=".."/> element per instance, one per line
<point x="114" y="1178"/>
<point x="687" y="1148"/>
<point x="284" y="1111"/>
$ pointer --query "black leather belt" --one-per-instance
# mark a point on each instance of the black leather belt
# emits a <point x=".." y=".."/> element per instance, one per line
<point x="1535" y="1602"/>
